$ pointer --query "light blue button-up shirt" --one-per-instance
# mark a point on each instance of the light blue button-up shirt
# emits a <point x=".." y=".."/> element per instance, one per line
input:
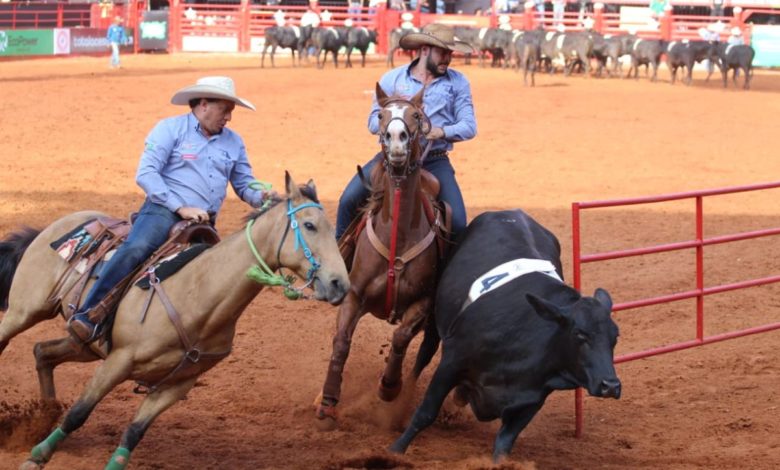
<point x="116" y="33"/>
<point x="447" y="101"/>
<point x="180" y="167"/>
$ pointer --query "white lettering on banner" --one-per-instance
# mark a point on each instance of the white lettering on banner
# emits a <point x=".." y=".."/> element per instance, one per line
<point x="506" y="272"/>
<point x="3" y="41"/>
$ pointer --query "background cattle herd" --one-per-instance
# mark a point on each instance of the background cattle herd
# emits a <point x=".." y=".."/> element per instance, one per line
<point x="532" y="51"/>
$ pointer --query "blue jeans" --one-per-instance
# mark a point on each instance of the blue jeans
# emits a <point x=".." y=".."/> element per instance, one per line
<point x="149" y="232"/>
<point x="114" y="54"/>
<point x="355" y="194"/>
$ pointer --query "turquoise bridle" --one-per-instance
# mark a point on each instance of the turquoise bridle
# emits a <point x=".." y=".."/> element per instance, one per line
<point x="262" y="274"/>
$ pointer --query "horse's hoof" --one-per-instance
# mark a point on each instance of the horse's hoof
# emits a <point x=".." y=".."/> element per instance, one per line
<point x="389" y="393"/>
<point x="326" y="418"/>
<point x="30" y="465"/>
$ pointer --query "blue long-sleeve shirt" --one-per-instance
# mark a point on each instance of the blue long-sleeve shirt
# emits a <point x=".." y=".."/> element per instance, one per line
<point x="116" y="33"/>
<point x="180" y="167"/>
<point x="447" y="101"/>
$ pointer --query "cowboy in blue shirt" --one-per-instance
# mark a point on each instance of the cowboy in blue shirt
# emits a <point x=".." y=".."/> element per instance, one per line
<point x="185" y="168"/>
<point x="447" y="103"/>
<point x="116" y="37"/>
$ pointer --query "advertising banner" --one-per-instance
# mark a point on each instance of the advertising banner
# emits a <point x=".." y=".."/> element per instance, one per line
<point x="61" y="41"/>
<point x="765" y="39"/>
<point x="26" y="42"/>
<point x="153" y="31"/>
<point x="93" y="40"/>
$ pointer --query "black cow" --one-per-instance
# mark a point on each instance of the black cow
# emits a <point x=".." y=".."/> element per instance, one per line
<point x="507" y="349"/>
<point x="646" y="52"/>
<point x="569" y="49"/>
<point x="495" y="41"/>
<point x="328" y="40"/>
<point x="736" y="57"/>
<point x="393" y="42"/>
<point x="686" y="54"/>
<point x="527" y="47"/>
<point x="468" y="35"/>
<point x="286" y="37"/>
<point x="359" y="38"/>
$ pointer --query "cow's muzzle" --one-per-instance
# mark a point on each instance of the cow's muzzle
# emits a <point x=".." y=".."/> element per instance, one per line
<point x="610" y="388"/>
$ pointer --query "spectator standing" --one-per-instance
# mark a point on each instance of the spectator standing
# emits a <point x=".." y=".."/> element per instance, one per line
<point x="116" y="37"/>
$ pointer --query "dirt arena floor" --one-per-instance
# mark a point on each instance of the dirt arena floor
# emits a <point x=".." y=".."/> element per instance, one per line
<point x="73" y="131"/>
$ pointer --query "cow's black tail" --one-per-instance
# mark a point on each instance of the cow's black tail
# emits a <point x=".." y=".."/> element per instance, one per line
<point x="11" y="251"/>
<point x="428" y="347"/>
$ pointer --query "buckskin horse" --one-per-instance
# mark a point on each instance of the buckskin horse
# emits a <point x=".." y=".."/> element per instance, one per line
<point x="393" y="272"/>
<point x="209" y="293"/>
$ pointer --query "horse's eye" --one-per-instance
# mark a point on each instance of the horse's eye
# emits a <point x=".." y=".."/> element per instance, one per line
<point x="310" y="226"/>
<point x="416" y="115"/>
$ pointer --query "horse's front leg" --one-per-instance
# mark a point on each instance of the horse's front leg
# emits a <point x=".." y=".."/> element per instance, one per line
<point x="153" y="405"/>
<point x="413" y="321"/>
<point x="350" y="312"/>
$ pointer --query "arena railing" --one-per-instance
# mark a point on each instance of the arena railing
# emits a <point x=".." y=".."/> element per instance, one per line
<point x="698" y="243"/>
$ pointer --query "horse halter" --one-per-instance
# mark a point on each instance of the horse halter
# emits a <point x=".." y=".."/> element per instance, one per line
<point x="422" y="129"/>
<point x="262" y="274"/>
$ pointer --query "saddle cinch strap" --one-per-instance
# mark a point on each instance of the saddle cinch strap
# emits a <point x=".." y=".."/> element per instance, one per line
<point x="192" y="355"/>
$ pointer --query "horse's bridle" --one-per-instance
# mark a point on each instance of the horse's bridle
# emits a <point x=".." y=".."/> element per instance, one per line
<point x="422" y="129"/>
<point x="266" y="276"/>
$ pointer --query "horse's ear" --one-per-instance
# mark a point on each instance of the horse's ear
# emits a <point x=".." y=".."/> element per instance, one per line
<point x="311" y="186"/>
<point x="292" y="188"/>
<point x="381" y="96"/>
<point x="417" y="100"/>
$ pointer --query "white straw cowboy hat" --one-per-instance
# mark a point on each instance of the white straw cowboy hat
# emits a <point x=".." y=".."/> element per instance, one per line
<point x="437" y="35"/>
<point x="221" y="88"/>
<point x="735" y="31"/>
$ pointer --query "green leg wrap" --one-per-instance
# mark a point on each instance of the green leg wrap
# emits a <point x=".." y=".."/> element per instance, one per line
<point x="119" y="460"/>
<point x="43" y="451"/>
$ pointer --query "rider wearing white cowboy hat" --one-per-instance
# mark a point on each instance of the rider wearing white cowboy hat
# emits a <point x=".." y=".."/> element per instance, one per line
<point x="736" y="38"/>
<point x="187" y="163"/>
<point x="448" y="105"/>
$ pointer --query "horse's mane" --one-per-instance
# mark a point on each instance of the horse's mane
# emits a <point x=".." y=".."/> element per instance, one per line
<point x="306" y="191"/>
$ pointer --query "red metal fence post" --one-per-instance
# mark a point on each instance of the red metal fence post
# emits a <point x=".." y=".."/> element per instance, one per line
<point x="598" y="17"/>
<point x="667" y="20"/>
<point x="60" y="11"/>
<point x="577" y="278"/>
<point x="700" y="268"/>
<point x="244" y="39"/>
<point x="174" y="26"/>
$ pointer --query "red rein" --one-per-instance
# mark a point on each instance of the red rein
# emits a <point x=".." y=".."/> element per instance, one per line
<point x="391" y="258"/>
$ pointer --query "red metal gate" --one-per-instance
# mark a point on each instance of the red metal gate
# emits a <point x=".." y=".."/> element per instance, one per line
<point x="698" y="243"/>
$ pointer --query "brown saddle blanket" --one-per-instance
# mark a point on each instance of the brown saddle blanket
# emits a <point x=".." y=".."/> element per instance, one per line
<point x="91" y="243"/>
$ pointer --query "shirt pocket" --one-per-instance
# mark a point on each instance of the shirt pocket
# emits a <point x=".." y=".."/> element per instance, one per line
<point x="223" y="162"/>
<point x="439" y="99"/>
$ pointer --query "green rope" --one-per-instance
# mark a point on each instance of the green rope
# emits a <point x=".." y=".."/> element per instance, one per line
<point x="262" y="274"/>
<point x="119" y="459"/>
<point x="262" y="186"/>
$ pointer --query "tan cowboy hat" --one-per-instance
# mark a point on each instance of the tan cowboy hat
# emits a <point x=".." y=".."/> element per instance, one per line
<point x="211" y="87"/>
<point x="438" y="35"/>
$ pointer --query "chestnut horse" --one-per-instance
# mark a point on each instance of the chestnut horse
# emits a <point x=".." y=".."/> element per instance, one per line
<point x="209" y="294"/>
<point x="394" y="270"/>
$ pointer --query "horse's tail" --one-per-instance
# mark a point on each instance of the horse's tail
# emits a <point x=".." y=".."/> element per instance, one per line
<point x="11" y="251"/>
